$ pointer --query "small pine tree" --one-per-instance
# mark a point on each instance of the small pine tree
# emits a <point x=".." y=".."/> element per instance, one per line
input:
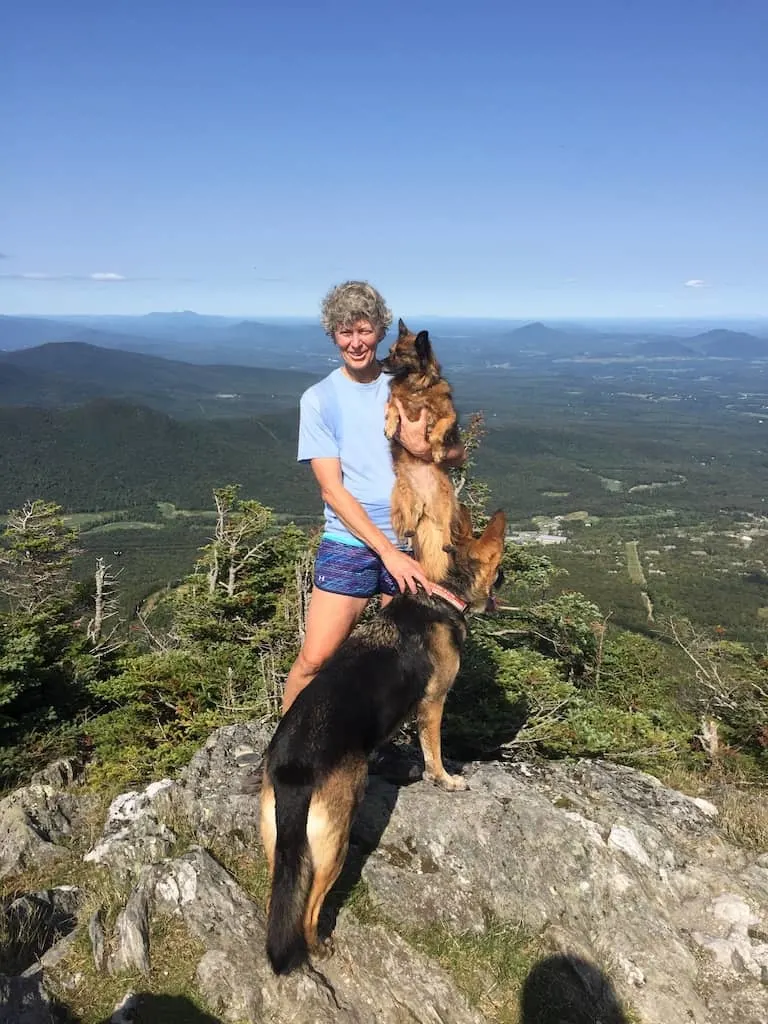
<point x="244" y="581"/>
<point x="40" y="647"/>
<point x="36" y="560"/>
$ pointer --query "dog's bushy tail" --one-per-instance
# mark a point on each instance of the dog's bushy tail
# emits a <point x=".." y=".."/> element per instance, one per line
<point x="292" y="878"/>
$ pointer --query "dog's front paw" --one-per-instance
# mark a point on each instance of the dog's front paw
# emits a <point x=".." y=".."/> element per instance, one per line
<point x="438" y="454"/>
<point x="450" y="783"/>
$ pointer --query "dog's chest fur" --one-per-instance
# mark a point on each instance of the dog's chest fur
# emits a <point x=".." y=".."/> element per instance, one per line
<point x="420" y="476"/>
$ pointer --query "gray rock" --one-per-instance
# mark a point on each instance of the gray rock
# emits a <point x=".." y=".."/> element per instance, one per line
<point x="213" y="790"/>
<point x="98" y="939"/>
<point x="59" y="774"/>
<point x="125" y="1011"/>
<point x="208" y="802"/>
<point x="131" y="937"/>
<point x="135" y="833"/>
<point x="33" y="822"/>
<point x="374" y="978"/>
<point x="602" y="857"/>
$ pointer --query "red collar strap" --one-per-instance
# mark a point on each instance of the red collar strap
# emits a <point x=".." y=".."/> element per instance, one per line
<point x="457" y="602"/>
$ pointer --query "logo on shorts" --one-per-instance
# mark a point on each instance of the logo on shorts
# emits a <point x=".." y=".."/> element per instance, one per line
<point x="321" y="579"/>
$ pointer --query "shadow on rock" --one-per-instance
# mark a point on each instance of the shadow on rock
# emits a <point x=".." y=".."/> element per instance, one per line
<point x="30" y="924"/>
<point x="565" y="989"/>
<point x="145" y="1008"/>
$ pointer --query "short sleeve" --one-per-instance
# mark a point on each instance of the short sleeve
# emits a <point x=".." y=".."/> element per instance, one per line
<point x="316" y="439"/>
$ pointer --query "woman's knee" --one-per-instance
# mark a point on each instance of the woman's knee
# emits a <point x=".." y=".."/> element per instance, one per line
<point x="311" y="661"/>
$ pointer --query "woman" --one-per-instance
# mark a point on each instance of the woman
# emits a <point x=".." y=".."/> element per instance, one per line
<point x="341" y="436"/>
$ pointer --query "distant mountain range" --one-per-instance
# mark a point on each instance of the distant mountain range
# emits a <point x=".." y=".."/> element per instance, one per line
<point x="719" y="343"/>
<point x="302" y="346"/>
<point x="194" y="339"/>
<point x="69" y="373"/>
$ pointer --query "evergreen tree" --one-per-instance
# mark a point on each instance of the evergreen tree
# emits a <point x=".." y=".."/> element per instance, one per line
<point x="40" y="647"/>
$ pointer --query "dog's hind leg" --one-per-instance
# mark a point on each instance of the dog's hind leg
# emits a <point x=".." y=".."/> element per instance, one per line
<point x="325" y="875"/>
<point x="328" y="826"/>
<point x="448" y="512"/>
<point x="407" y="509"/>
<point x="268" y="827"/>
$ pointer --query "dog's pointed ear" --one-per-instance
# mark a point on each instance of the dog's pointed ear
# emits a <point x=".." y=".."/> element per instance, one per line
<point x="497" y="528"/>
<point x="423" y="348"/>
<point x="402" y="330"/>
<point x="494" y="533"/>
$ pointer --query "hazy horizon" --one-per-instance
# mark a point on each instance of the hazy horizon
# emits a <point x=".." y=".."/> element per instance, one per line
<point x="756" y="322"/>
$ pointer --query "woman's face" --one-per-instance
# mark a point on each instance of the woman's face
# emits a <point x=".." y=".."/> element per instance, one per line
<point x="357" y="344"/>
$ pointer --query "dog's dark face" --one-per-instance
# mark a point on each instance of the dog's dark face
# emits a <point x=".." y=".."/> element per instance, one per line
<point x="411" y="353"/>
<point x="483" y="555"/>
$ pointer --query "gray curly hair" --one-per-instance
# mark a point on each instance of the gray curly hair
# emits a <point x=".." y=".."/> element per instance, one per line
<point x="351" y="301"/>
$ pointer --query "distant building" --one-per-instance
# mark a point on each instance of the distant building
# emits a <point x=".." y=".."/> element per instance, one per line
<point x="534" y="537"/>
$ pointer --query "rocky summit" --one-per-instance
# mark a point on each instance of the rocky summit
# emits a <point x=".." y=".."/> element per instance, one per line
<point x="635" y="905"/>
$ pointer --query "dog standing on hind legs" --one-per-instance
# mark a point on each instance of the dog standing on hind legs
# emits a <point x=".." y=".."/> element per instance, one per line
<point x="424" y="505"/>
<point x="406" y="658"/>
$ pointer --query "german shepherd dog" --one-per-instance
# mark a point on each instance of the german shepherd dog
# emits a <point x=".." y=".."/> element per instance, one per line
<point x="424" y="505"/>
<point x="315" y="767"/>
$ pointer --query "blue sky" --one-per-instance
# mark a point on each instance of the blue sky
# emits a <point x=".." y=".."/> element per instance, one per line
<point x="543" y="159"/>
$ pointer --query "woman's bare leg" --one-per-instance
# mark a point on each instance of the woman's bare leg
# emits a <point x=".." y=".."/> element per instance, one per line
<point x="330" y="620"/>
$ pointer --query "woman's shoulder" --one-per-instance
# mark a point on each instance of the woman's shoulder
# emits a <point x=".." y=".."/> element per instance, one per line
<point x="321" y="400"/>
<point x="321" y="389"/>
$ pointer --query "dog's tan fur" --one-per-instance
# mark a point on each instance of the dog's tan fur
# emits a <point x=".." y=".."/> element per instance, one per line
<point x="424" y="505"/>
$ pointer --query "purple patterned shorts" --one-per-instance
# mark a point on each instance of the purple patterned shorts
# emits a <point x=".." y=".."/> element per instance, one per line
<point x="351" y="570"/>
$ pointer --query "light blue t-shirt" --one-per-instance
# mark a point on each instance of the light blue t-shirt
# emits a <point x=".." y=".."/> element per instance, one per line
<point x="342" y="419"/>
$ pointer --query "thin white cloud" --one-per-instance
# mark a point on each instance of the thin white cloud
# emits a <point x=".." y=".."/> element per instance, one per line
<point x="100" y="275"/>
<point x="695" y="282"/>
